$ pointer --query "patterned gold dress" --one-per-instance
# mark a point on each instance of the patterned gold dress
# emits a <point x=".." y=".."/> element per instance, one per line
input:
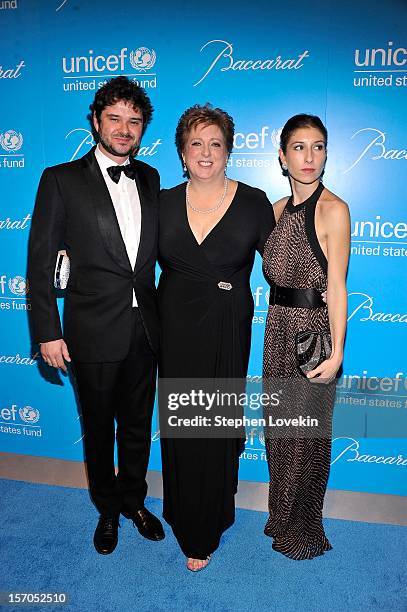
<point x="298" y="466"/>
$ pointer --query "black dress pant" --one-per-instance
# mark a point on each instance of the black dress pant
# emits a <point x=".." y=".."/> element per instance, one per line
<point x="122" y="391"/>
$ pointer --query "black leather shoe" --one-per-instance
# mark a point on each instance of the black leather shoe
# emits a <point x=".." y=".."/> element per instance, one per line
<point x="106" y="534"/>
<point x="149" y="526"/>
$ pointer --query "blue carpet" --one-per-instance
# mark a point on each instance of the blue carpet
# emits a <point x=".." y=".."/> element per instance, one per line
<point x="46" y="545"/>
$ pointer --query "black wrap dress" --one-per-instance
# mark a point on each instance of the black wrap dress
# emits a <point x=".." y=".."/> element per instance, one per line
<point x="206" y="333"/>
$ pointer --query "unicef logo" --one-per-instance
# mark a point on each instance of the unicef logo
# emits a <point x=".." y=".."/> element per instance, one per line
<point x="18" y="285"/>
<point x="275" y="137"/>
<point x="29" y="414"/>
<point x="11" y="140"/>
<point x="142" y="58"/>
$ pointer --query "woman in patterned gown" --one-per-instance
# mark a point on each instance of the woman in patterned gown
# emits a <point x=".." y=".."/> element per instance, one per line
<point x="305" y="255"/>
<point x="209" y="231"/>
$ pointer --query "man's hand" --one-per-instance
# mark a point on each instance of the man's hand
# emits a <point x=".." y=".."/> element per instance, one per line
<point x="54" y="353"/>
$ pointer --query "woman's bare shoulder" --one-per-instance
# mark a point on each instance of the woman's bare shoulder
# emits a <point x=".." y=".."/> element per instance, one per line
<point x="279" y="206"/>
<point x="332" y="203"/>
<point x="332" y="208"/>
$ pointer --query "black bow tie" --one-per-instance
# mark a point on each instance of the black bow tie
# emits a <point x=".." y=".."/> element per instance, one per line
<point x="115" y="171"/>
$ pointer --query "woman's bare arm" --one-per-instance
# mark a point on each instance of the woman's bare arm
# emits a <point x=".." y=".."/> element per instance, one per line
<point x="336" y="224"/>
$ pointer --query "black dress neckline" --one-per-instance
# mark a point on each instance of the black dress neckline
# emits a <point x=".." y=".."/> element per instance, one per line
<point x="225" y="214"/>
<point x="291" y="208"/>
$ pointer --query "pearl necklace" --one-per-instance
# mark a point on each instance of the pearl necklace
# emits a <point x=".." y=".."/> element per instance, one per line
<point x="209" y="210"/>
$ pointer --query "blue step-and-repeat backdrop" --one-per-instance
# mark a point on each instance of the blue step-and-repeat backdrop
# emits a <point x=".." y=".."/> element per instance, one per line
<point x="262" y="62"/>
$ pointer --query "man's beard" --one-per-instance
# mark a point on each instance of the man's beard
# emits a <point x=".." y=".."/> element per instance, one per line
<point x="110" y="149"/>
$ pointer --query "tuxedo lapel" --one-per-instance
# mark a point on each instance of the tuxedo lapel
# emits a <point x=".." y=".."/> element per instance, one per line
<point x="105" y="213"/>
<point x="147" y="220"/>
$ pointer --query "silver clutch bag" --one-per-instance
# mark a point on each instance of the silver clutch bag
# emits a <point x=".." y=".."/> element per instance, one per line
<point x="62" y="268"/>
<point x="312" y="348"/>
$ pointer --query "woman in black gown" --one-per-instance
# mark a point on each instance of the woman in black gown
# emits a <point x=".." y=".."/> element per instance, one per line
<point x="209" y="231"/>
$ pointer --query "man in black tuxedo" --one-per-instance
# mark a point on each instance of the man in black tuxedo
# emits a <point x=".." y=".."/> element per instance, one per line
<point x="102" y="209"/>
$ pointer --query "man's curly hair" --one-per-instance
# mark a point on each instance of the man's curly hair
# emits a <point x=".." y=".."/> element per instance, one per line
<point x="121" y="88"/>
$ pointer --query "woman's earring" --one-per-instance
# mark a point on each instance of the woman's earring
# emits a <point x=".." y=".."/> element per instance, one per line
<point x="184" y="167"/>
<point x="284" y="166"/>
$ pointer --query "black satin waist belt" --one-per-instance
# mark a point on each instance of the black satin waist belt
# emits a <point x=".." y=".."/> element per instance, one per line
<point x="295" y="298"/>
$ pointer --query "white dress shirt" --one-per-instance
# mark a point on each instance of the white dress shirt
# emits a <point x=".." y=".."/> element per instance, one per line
<point x="126" y="202"/>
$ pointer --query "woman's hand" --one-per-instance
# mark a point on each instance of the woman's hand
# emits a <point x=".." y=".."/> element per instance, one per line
<point x="326" y="371"/>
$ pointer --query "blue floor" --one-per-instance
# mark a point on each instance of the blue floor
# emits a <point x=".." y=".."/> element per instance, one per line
<point x="46" y="546"/>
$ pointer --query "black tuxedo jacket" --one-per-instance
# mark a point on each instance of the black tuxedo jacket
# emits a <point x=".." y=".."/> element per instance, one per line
<point x="73" y="210"/>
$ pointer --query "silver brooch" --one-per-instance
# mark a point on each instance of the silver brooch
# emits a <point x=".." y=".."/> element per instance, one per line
<point x="226" y="286"/>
